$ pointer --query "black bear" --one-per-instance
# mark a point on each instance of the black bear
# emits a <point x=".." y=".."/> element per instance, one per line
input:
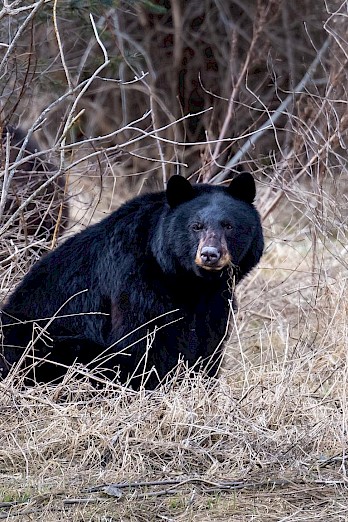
<point x="150" y="284"/>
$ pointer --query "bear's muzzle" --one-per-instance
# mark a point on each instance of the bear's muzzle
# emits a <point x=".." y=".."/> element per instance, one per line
<point x="212" y="253"/>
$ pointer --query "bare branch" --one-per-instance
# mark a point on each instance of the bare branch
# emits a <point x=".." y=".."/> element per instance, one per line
<point x="275" y="116"/>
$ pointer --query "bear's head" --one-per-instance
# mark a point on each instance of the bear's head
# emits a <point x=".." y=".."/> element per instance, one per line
<point x="209" y="229"/>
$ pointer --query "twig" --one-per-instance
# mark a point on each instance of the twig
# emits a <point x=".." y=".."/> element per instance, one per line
<point x="279" y="112"/>
<point x="59" y="42"/>
<point x="231" y="101"/>
<point x="281" y="193"/>
<point x="158" y="141"/>
<point x="8" y="175"/>
<point x="70" y="119"/>
<point x="212" y="489"/>
<point x="28" y="200"/>
<point x="20" y="31"/>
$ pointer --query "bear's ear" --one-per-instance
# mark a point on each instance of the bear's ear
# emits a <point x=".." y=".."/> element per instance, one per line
<point x="243" y="187"/>
<point x="178" y="191"/>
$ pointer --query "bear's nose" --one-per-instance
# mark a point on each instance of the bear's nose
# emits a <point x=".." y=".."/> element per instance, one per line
<point x="210" y="255"/>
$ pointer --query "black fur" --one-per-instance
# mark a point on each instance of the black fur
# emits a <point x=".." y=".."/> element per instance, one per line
<point x="131" y="268"/>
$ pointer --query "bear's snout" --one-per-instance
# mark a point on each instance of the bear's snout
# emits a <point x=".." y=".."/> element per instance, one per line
<point x="210" y="255"/>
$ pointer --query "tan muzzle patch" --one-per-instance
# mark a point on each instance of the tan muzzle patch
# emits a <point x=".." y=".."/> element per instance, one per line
<point x="223" y="261"/>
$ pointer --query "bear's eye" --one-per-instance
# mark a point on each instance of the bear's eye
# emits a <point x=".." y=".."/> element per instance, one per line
<point x="227" y="226"/>
<point x="196" y="227"/>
